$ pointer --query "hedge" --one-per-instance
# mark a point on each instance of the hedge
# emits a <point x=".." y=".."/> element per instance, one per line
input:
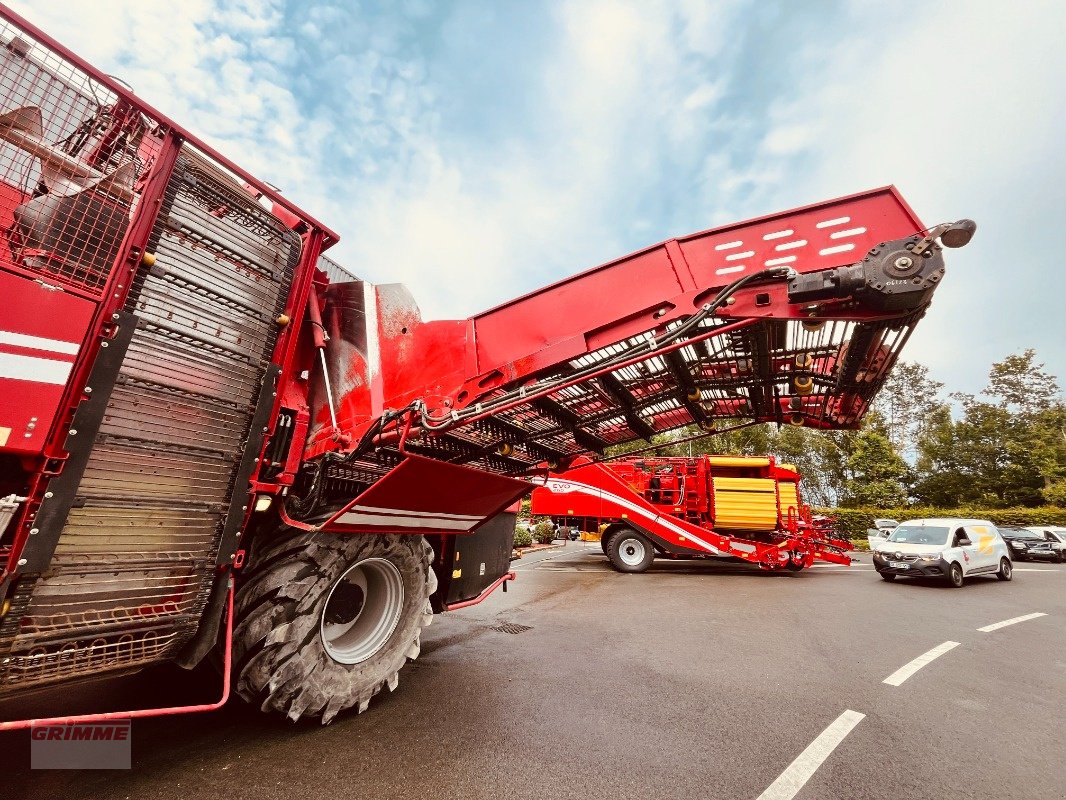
<point x="856" y="521"/>
<point x="544" y="532"/>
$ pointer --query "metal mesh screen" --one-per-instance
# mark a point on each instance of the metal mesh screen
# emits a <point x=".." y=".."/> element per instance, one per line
<point x="71" y="155"/>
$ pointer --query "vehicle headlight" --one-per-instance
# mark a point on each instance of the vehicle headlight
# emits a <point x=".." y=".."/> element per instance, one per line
<point x="1019" y="545"/>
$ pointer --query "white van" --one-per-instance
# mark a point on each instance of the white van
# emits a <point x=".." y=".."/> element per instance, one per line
<point x="951" y="548"/>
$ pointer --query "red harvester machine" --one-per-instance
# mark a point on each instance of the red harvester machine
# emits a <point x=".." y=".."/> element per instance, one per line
<point x="210" y="436"/>
<point x="739" y="507"/>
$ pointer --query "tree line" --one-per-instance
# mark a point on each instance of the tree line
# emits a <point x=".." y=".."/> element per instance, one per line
<point x="1003" y="447"/>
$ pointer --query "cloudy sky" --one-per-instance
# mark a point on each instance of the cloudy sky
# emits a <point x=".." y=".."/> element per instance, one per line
<point x="478" y="150"/>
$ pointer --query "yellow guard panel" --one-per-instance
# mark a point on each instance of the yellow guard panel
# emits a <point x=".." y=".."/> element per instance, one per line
<point x="745" y="504"/>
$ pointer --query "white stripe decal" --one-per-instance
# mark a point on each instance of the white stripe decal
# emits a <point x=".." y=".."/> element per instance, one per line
<point x="657" y="518"/>
<point x="39" y="342"/>
<point x="405" y="513"/>
<point x="377" y="520"/>
<point x="31" y="368"/>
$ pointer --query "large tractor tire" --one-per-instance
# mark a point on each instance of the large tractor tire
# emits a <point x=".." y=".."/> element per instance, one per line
<point x="605" y="541"/>
<point x="325" y="622"/>
<point x="630" y="551"/>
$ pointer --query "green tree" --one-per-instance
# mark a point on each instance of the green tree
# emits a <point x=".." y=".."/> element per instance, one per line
<point x="1022" y="385"/>
<point x="906" y="403"/>
<point x="1007" y="449"/>
<point x="878" y="475"/>
<point x="1056" y="493"/>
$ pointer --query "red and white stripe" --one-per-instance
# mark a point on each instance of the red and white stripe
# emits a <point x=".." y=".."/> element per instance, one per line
<point x="556" y="485"/>
<point x="376" y="517"/>
<point x="36" y="359"/>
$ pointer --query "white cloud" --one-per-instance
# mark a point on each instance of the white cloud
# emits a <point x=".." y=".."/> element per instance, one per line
<point x="964" y="113"/>
<point x="704" y="95"/>
<point x="640" y="121"/>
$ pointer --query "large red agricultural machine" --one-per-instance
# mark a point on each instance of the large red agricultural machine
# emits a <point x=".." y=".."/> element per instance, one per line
<point x="212" y="439"/>
<point x="727" y="507"/>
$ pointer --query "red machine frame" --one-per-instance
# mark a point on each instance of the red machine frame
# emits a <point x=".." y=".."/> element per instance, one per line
<point x="602" y="491"/>
<point x="436" y="427"/>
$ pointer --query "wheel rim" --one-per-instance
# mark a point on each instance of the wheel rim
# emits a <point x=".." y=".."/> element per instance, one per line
<point x="1006" y="569"/>
<point x="631" y="551"/>
<point x="362" y="610"/>
<point x="956" y="574"/>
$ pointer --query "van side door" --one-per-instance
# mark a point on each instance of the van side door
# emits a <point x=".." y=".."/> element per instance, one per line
<point x="982" y="550"/>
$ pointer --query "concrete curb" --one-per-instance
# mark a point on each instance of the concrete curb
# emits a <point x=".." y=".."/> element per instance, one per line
<point x="539" y="548"/>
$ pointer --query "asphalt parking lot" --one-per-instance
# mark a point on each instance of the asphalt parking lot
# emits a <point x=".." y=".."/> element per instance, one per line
<point x="692" y="680"/>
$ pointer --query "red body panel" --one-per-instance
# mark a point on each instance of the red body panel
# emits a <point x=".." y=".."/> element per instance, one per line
<point x="425" y="496"/>
<point x="607" y="303"/>
<point x="41" y="333"/>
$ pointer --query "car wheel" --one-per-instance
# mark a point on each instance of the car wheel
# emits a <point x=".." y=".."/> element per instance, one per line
<point x="1062" y="556"/>
<point x="887" y="576"/>
<point x="955" y="577"/>
<point x="630" y="551"/>
<point x="1006" y="571"/>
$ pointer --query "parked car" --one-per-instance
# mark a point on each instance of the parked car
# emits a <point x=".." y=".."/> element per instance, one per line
<point x="1053" y="546"/>
<point x="883" y="527"/>
<point x="1019" y="541"/>
<point x="949" y="548"/>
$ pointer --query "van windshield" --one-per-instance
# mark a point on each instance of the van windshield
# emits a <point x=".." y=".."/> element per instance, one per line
<point x="919" y="534"/>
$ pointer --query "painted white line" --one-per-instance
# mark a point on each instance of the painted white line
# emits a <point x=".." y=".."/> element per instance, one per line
<point x="1012" y="621"/>
<point x="1035" y="569"/>
<point x="843" y="567"/>
<point x="806" y="764"/>
<point x="904" y="672"/>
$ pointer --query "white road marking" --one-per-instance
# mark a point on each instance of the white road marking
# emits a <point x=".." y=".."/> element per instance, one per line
<point x="1012" y="621"/>
<point x="904" y="672"/>
<point x="806" y="764"/>
<point x="1035" y="569"/>
<point x="841" y="567"/>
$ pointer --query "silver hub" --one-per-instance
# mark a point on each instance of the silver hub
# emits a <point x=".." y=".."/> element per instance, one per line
<point x="631" y="551"/>
<point x="362" y="610"/>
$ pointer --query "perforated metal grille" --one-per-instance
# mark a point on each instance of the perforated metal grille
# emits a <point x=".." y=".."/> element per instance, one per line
<point x="512" y="627"/>
<point x="71" y="154"/>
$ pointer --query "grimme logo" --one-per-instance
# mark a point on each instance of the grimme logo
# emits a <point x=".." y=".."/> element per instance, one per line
<point x="88" y="745"/>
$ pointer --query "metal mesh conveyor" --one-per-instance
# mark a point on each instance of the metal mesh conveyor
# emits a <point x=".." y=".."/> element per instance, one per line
<point x="135" y="562"/>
